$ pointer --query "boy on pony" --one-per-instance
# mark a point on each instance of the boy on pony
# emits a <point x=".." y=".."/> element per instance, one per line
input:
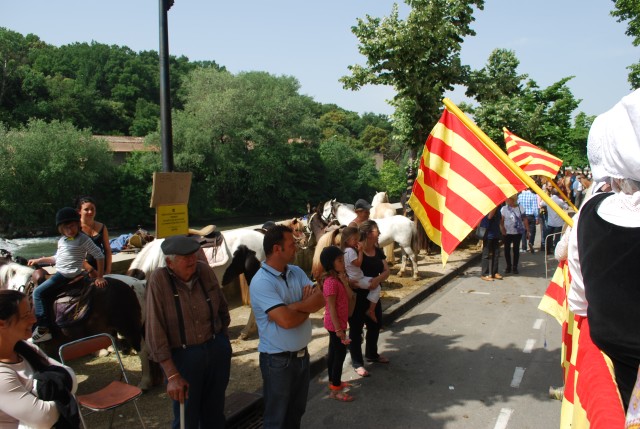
<point x="73" y="247"/>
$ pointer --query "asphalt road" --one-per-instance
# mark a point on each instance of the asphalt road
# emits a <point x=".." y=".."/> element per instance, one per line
<point x="475" y="354"/>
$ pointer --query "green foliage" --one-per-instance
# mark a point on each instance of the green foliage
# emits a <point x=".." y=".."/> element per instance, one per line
<point x="348" y="174"/>
<point x="392" y="179"/>
<point x="111" y="90"/>
<point x="419" y="57"/>
<point x="126" y="196"/>
<point x="540" y="116"/>
<point x="629" y="10"/>
<point x="45" y="166"/>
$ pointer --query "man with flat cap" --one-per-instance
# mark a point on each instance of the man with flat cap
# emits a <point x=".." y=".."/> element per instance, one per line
<point x="362" y="208"/>
<point x="186" y="331"/>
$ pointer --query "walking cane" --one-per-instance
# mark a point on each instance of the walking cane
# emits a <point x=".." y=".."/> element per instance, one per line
<point x="182" y="426"/>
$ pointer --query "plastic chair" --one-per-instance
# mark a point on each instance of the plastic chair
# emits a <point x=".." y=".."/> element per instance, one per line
<point x="110" y="397"/>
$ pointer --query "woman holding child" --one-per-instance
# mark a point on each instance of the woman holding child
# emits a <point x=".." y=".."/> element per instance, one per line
<point x="373" y="265"/>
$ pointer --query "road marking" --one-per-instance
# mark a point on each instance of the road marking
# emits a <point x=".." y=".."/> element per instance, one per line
<point x="517" y="377"/>
<point x="538" y="323"/>
<point x="474" y="292"/>
<point x="528" y="346"/>
<point x="503" y="418"/>
<point x="531" y="296"/>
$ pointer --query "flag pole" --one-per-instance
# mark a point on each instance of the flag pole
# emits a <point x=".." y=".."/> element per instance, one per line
<point x="564" y="197"/>
<point x="508" y="161"/>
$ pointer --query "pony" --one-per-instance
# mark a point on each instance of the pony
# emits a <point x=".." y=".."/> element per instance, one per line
<point x="330" y="238"/>
<point x="396" y="228"/>
<point x="380" y="208"/>
<point x="118" y="308"/>
<point x="318" y="225"/>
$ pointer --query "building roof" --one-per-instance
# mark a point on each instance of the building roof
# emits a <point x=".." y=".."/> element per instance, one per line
<point x="126" y="144"/>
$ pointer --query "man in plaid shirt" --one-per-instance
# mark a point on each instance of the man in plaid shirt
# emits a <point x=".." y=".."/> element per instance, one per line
<point x="529" y="201"/>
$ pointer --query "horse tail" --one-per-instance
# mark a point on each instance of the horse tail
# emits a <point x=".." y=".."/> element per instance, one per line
<point x="415" y="236"/>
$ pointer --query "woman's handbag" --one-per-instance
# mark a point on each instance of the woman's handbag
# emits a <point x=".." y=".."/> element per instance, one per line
<point x="519" y="223"/>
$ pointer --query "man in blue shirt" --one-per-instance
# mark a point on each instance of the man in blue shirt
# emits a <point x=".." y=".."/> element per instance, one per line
<point x="282" y="298"/>
<point x="529" y="201"/>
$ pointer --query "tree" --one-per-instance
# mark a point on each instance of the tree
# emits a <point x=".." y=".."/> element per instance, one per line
<point x="419" y="57"/>
<point x="392" y="179"/>
<point x="629" y="10"/>
<point x="237" y="135"/>
<point x="508" y="99"/>
<point x="47" y="165"/>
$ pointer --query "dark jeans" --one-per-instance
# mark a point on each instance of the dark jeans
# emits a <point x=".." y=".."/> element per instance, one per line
<point x="512" y="246"/>
<point x="45" y="294"/>
<point x="285" y="387"/>
<point x="206" y="368"/>
<point x="548" y="231"/>
<point x="356" y="325"/>
<point x="335" y="358"/>
<point x="532" y="232"/>
<point x="490" y="256"/>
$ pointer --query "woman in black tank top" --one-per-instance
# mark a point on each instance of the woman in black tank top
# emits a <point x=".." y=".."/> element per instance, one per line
<point x="97" y="231"/>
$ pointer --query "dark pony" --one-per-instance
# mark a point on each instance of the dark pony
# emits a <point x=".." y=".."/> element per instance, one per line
<point x="114" y="309"/>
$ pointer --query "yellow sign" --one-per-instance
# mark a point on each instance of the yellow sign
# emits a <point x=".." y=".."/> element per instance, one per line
<point x="172" y="220"/>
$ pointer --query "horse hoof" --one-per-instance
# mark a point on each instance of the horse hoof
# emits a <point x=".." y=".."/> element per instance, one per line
<point x="416" y="277"/>
<point x="400" y="274"/>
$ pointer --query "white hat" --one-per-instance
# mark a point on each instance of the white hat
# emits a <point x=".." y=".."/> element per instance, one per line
<point x="621" y="138"/>
<point x="595" y="144"/>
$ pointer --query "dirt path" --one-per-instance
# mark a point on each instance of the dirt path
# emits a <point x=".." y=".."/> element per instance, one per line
<point x="245" y="373"/>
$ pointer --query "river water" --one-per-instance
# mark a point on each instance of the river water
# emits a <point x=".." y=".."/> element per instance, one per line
<point x="46" y="246"/>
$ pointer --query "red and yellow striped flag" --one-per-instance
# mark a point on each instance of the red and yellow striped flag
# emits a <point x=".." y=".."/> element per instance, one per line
<point x="459" y="181"/>
<point x="533" y="160"/>
<point x="591" y="399"/>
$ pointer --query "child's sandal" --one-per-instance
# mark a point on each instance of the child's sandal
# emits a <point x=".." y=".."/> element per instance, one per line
<point x="341" y="396"/>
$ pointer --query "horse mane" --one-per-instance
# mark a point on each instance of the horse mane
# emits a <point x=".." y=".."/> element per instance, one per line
<point x="10" y="270"/>
<point x="330" y="238"/>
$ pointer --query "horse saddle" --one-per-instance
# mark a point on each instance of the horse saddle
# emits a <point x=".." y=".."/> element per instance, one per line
<point x="214" y="248"/>
<point x="74" y="304"/>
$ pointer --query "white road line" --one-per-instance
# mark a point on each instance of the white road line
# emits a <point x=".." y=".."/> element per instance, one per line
<point x="517" y="377"/>
<point x="538" y="323"/>
<point x="531" y="296"/>
<point x="503" y="418"/>
<point x="528" y="346"/>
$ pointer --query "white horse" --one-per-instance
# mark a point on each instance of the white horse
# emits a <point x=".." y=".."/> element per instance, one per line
<point x="381" y="208"/>
<point x="398" y="229"/>
<point x="17" y="277"/>
<point x="152" y="257"/>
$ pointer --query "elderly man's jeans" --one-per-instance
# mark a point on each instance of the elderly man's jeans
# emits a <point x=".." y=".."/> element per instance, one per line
<point x="285" y="389"/>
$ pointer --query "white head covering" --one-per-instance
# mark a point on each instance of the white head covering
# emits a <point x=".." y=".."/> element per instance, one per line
<point x="595" y="144"/>
<point x="621" y="138"/>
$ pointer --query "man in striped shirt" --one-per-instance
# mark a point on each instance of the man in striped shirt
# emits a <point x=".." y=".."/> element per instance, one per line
<point x="528" y="200"/>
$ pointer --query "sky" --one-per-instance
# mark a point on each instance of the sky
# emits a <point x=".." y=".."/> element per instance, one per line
<point x="313" y="42"/>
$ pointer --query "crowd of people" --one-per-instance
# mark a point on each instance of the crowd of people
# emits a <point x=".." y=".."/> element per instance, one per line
<point x="187" y="315"/>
